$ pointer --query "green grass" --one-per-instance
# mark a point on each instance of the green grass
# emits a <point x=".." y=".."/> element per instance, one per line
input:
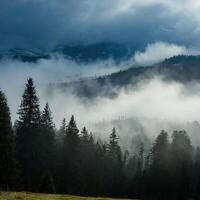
<point x="32" y="196"/>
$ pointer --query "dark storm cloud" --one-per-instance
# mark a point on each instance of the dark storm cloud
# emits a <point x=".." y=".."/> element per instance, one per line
<point x="45" y="23"/>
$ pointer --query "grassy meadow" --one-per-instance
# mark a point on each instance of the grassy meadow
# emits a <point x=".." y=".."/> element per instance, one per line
<point x="32" y="196"/>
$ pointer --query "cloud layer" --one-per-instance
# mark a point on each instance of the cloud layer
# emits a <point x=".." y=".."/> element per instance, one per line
<point x="171" y="101"/>
<point x="157" y="52"/>
<point x="45" y="23"/>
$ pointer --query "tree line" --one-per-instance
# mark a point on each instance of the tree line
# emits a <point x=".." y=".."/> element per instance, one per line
<point x="36" y="157"/>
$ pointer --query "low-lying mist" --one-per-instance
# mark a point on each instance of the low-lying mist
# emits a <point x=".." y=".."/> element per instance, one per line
<point x="13" y="75"/>
<point x="142" y="110"/>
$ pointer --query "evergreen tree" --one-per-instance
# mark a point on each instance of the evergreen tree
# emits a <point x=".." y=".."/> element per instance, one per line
<point x="28" y="137"/>
<point x="47" y="140"/>
<point x="61" y="133"/>
<point x="71" y="140"/>
<point x="71" y="149"/>
<point x="196" y="174"/>
<point x="60" y="157"/>
<point x="140" y="159"/>
<point x="48" y="132"/>
<point x="29" y="113"/>
<point x="181" y="165"/>
<point x="158" y="184"/>
<point x="115" y="168"/>
<point x="84" y="135"/>
<point x="87" y="163"/>
<point x="8" y="170"/>
<point x="159" y="150"/>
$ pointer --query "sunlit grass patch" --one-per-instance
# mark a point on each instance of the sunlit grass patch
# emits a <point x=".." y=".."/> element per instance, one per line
<point x="33" y="196"/>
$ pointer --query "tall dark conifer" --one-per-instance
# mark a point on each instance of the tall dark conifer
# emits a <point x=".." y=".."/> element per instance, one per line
<point x="47" y="145"/>
<point x="61" y="133"/>
<point x="8" y="172"/>
<point x="115" y="164"/>
<point x="181" y="164"/>
<point x="47" y="134"/>
<point x="71" y="149"/>
<point x="158" y="161"/>
<point x="28" y="137"/>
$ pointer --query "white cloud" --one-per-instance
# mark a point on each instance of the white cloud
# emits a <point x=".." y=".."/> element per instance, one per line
<point x="154" y="99"/>
<point x="157" y="52"/>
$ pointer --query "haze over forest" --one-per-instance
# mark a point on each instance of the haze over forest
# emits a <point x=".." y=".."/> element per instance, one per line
<point x="123" y="67"/>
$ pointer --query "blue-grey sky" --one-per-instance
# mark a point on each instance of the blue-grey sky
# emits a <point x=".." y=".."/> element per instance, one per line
<point x="46" y="23"/>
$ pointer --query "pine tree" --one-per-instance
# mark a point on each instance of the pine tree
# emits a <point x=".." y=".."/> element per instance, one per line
<point x="8" y="170"/>
<point x="60" y="160"/>
<point x="113" y="143"/>
<point x="158" y="161"/>
<point x="141" y="159"/>
<point x="48" y="130"/>
<point x="84" y="135"/>
<point x="47" y="140"/>
<point x="115" y="164"/>
<point x="46" y="118"/>
<point x="196" y="174"/>
<point x="61" y="133"/>
<point x="159" y="150"/>
<point x="181" y="164"/>
<point x="72" y="140"/>
<point x="29" y="113"/>
<point x="72" y="130"/>
<point x="71" y="149"/>
<point x="28" y="137"/>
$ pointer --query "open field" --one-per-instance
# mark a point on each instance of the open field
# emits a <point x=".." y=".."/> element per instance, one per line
<point x="32" y="196"/>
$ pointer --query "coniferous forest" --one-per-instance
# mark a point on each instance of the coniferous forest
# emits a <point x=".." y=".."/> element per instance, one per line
<point x="36" y="157"/>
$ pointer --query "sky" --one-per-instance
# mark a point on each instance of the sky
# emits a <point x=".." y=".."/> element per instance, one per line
<point x="46" y="23"/>
<point x="158" y="29"/>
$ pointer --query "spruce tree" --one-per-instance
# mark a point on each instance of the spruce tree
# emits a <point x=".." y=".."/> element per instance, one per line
<point x="8" y="172"/>
<point x="48" y="131"/>
<point x="181" y="164"/>
<point x="60" y="159"/>
<point x="71" y="149"/>
<point x="71" y="140"/>
<point x="84" y="135"/>
<point x="61" y="133"/>
<point x="113" y="146"/>
<point x="29" y="113"/>
<point x="115" y="167"/>
<point x="87" y="163"/>
<point x="28" y="137"/>
<point x="196" y="174"/>
<point x="47" y="140"/>
<point x="159" y="150"/>
<point x="158" y="161"/>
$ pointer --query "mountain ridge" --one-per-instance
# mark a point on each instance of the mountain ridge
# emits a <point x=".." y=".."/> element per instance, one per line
<point x="77" y="52"/>
<point x="183" y="69"/>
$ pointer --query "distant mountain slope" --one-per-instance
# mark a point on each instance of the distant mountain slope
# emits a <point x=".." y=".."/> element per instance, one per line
<point x="24" y="55"/>
<point x="180" y="68"/>
<point x="79" y="53"/>
<point x="92" y="52"/>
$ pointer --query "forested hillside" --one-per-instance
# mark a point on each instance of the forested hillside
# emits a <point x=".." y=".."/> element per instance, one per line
<point x="38" y="158"/>
<point x="183" y="69"/>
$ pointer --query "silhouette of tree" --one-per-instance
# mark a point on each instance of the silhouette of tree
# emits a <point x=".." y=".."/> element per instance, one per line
<point x="8" y="167"/>
<point x="28" y="137"/>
